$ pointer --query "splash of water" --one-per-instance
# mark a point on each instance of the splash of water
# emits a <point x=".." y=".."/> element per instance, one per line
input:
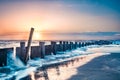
<point x="13" y="61"/>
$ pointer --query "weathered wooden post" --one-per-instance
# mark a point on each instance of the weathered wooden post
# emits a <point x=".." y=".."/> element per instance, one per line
<point x="75" y="45"/>
<point x="67" y="45"/>
<point x="64" y="46"/>
<point x="61" y="46"/>
<point x="54" y="47"/>
<point x="22" y="51"/>
<point x="79" y="44"/>
<point x="71" y="45"/>
<point x="82" y="44"/>
<point x="3" y="57"/>
<point x="29" y="44"/>
<point x="42" y="49"/>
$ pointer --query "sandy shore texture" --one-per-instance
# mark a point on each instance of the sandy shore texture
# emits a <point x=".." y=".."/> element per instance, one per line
<point x="91" y="67"/>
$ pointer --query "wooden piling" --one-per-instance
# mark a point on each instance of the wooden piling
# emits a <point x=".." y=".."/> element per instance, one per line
<point x="76" y="45"/>
<point x="3" y="57"/>
<point x="64" y="46"/>
<point x="42" y="49"/>
<point x="22" y="47"/>
<point x="29" y="44"/>
<point x="48" y="50"/>
<point x="61" y="46"/>
<point x="71" y="45"/>
<point x="54" y="47"/>
<point x="79" y="44"/>
<point x="22" y="51"/>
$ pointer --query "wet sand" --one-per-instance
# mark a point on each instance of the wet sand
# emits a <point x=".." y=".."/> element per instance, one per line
<point x="68" y="71"/>
<point x="90" y="67"/>
<point x="105" y="67"/>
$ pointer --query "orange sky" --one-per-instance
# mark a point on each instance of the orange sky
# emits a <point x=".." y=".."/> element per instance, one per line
<point x="53" y="16"/>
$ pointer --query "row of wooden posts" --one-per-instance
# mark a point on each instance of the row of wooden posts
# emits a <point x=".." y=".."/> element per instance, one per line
<point x="42" y="50"/>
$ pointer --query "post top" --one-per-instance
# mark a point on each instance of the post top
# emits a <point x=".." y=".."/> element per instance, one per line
<point x="41" y="42"/>
<point x="22" y="42"/>
<point x="53" y="41"/>
<point x="32" y="28"/>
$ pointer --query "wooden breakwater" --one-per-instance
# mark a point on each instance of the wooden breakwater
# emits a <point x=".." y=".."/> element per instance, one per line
<point x="42" y="50"/>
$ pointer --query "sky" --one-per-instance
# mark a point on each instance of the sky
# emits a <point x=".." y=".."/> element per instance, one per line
<point x="51" y="17"/>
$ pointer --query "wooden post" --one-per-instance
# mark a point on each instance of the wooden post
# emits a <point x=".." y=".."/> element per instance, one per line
<point x="3" y="57"/>
<point x="82" y="44"/>
<point x="79" y="44"/>
<point x="54" y="47"/>
<point x="76" y="45"/>
<point x="64" y="46"/>
<point x="29" y="44"/>
<point x="61" y="46"/>
<point x="85" y="43"/>
<point x="42" y="49"/>
<point x="67" y="45"/>
<point x="22" y="51"/>
<point x="71" y="45"/>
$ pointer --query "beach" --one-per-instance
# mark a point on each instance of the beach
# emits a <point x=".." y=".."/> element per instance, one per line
<point x="106" y="67"/>
<point x="95" y="62"/>
<point x="98" y="66"/>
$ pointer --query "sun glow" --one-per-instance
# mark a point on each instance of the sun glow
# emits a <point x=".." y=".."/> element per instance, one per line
<point x="37" y="36"/>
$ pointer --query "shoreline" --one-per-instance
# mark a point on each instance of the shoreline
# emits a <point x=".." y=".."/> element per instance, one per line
<point x="61" y="72"/>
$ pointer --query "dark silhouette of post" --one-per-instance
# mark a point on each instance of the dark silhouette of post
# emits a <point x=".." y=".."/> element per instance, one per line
<point x="42" y="49"/>
<point x="71" y="45"/>
<point x="29" y="44"/>
<point x="54" y="47"/>
<point x="3" y="57"/>
<point x="76" y="45"/>
<point x="67" y="45"/>
<point x="64" y="46"/>
<point x="79" y="44"/>
<point x="61" y="46"/>
<point x="22" y="51"/>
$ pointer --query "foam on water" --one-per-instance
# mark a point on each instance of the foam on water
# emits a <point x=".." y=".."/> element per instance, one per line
<point x="106" y="49"/>
<point x="14" y="62"/>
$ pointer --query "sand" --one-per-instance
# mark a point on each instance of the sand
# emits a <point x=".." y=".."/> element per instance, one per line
<point x="71" y="71"/>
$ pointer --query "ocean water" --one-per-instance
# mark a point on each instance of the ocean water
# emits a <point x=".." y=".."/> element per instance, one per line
<point x="16" y="70"/>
